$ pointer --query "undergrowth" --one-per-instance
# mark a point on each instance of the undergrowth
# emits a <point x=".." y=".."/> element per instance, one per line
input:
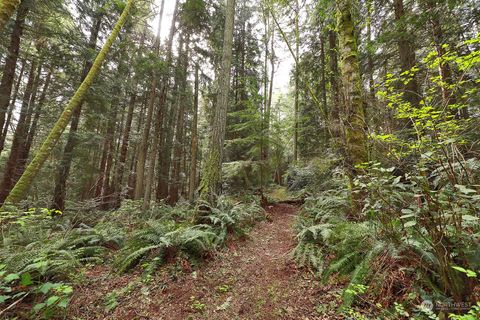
<point x="46" y="247"/>
<point x="388" y="255"/>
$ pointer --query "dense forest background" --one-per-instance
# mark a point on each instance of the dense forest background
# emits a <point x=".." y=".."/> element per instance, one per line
<point x="120" y="146"/>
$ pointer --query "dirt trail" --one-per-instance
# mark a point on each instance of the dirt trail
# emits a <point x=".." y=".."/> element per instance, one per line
<point x="251" y="279"/>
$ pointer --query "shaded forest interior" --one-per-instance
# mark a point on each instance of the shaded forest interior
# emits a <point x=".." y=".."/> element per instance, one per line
<point x="142" y="142"/>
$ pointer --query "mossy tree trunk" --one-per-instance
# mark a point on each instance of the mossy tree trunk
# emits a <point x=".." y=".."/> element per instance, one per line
<point x="22" y="186"/>
<point x="211" y="179"/>
<point x="353" y="104"/>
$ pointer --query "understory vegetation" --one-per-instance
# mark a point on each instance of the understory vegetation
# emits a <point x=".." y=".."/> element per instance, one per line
<point x="43" y="255"/>
<point x="415" y="237"/>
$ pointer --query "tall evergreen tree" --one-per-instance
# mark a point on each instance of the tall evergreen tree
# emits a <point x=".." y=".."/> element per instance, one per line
<point x="211" y="179"/>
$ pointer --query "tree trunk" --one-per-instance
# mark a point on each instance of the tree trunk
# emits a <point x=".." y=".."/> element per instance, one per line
<point x="352" y="92"/>
<point x="11" y="172"/>
<point x="158" y="135"/>
<point x="323" y="87"/>
<point x="192" y="181"/>
<point x="132" y="175"/>
<point x="211" y="181"/>
<point x="272" y="75"/>
<point x="117" y="187"/>
<point x="41" y="102"/>
<point x="334" y="88"/>
<point x="443" y="67"/>
<point x="142" y="151"/>
<point x="178" y="141"/>
<point x="102" y="184"/>
<point x="11" y="108"/>
<point x="25" y="150"/>
<point x="11" y="61"/>
<point x="165" y="136"/>
<point x="406" y="54"/>
<point x="60" y="190"/>
<point x="297" y="81"/>
<point x="21" y="188"/>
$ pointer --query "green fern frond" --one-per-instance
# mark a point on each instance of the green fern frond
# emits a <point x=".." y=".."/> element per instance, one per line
<point x="133" y="258"/>
<point x="309" y="255"/>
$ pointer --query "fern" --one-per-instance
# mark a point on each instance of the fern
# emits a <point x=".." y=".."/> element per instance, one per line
<point x="175" y="233"/>
<point x="360" y="274"/>
<point x="134" y="257"/>
<point x="319" y="232"/>
<point x="343" y="265"/>
<point x="56" y="254"/>
<point x="153" y="241"/>
<point x="229" y="216"/>
<point x="309" y="255"/>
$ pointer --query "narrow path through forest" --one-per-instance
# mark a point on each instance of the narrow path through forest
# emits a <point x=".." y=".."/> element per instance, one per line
<point x="251" y="279"/>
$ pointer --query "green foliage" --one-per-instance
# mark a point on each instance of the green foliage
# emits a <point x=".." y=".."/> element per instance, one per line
<point x="410" y="214"/>
<point x="241" y="175"/>
<point x="33" y="169"/>
<point x="52" y="297"/>
<point x="435" y="123"/>
<point x="422" y="214"/>
<point x="46" y="254"/>
<point x="194" y="15"/>
<point x="318" y="174"/>
<point x="230" y="216"/>
<point x="472" y="314"/>
<point x="323" y="230"/>
<point x="161" y="240"/>
<point x="308" y="254"/>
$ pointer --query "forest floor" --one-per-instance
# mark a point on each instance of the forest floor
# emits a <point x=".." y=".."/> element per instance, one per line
<point x="252" y="278"/>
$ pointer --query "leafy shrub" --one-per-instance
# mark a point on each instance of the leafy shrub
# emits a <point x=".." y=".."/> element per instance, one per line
<point x="241" y="175"/>
<point x="437" y="225"/>
<point x="50" y="297"/>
